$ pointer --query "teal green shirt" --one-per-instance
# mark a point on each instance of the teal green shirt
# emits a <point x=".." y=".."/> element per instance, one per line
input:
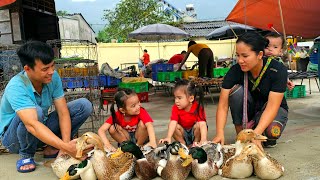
<point x="20" y="94"/>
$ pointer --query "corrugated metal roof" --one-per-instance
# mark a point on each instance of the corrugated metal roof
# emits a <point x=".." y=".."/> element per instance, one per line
<point x="203" y="28"/>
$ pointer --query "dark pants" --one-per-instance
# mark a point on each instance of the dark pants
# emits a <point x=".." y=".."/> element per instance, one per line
<point x="273" y="131"/>
<point x="205" y="61"/>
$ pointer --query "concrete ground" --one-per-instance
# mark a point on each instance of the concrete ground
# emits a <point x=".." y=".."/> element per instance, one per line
<point x="298" y="148"/>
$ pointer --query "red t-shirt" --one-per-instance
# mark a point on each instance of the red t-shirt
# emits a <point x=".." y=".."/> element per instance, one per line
<point x="188" y="119"/>
<point x="146" y="59"/>
<point x="132" y="124"/>
<point x="177" y="58"/>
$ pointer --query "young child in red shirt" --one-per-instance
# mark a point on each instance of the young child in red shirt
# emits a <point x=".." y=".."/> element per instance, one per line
<point x="188" y="119"/>
<point x="130" y="122"/>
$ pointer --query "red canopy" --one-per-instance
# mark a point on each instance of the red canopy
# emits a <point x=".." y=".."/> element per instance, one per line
<point x="6" y="2"/>
<point x="301" y="17"/>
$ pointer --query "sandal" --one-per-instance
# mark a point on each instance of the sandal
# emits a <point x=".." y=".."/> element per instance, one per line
<point x="23" y="162"/>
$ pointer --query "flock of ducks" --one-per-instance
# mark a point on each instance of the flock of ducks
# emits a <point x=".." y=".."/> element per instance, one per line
<point x="171" y="162"/>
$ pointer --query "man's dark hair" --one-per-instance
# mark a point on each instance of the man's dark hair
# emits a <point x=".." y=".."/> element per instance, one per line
<point x="183" y="52"/>
<point x="191" y="43"/>
<point x="145" y="50"/>
<point x="35" y="50"/>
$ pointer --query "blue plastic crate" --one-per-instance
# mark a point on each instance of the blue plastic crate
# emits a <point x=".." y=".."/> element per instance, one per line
<point x="314" y="58"/>
<point x="79" y="82"/>
<point x="85" y="81"/>
<point x="71" y="82"/>
<point x="103" y="80"/>
<point x="154" y="76"/>
<point x="162" y="68"/>
<point x="112" y="81"/>
<point x="94" y="81"/>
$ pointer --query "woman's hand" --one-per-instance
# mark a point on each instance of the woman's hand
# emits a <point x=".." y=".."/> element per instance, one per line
<point x="258" y="143"/>
<point x="162" y="141"/>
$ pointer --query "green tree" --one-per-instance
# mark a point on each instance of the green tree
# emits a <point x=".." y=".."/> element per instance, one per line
<point x="130" y="15"/>
<point x="62" y="13"/>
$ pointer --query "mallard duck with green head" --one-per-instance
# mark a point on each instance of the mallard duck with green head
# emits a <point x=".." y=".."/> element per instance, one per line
<point x="84" y="170"/>
<point x="146" y="163"/>
<point x="107" y="168"/>
<point x="203" y="167"/>
<point x="171" y="167"/>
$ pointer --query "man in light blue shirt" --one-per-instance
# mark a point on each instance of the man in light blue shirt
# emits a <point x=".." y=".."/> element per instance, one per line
<point x="24" y="118"/>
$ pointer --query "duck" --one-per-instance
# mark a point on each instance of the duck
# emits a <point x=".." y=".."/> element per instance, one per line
<point x="105" y="167"/>
<point x="146" y="162"/>
<point x="84" y="170"/>
<point x="170" y="168"/>
<point x="203" y="164"/>
<point x="235" y="167"/>
<point x="243" y="137"/>
<point x="265" y="167"/>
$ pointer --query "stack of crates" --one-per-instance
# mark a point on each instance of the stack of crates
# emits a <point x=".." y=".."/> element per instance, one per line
<point x="220" y="72"/>
<point x="298" y="91"/>
<point x="169" y="76"/>
<point x="79" y="77"/>
<point x="141" y="88"/>
<point x="163" y="72"/>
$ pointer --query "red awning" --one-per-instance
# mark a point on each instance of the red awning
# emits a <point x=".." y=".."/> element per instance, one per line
<point x="6" y="2"/>
<point x="301" y="17"/>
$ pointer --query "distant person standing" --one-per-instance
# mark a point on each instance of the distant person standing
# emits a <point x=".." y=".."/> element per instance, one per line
<point x="145" y="59"/>
<point x="205" y="58"/>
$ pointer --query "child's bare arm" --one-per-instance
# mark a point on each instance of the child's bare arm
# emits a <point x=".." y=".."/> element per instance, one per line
<point x="102" y="133"/>
<point x="203" y="131"/>
<point x="151" y="134"/>
<point x="172" y="128"/>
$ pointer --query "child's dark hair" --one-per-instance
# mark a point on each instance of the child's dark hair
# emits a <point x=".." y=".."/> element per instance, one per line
<point x="35" y="50"/>
<point x="276" y="35"/>
<point x="191" y="89"/>
<point x="120" y="100"/>
<point x="254" y="40"/>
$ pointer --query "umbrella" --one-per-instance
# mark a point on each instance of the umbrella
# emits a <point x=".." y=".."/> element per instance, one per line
<point x="228" y="31"/>
<point x="294" y="17"/>
<point x="158" y="32"/>
<point x="6" y="2"/>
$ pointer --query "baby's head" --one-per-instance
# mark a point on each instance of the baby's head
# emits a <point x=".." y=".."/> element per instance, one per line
<point x="276" y="44"/>
<point x="127" y="102"/>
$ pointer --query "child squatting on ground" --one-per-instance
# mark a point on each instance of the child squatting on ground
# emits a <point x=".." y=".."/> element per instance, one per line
<point x="188" y="119"/>
<point x="275" y="48"/>
<point x="129" y="122"/>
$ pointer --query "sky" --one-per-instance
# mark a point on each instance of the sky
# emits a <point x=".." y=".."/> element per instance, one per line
<point x="92" y="10"/>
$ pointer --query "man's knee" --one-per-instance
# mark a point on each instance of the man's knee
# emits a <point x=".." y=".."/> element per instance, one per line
<point x="87" y="105"/>
<point x="274" y="130"/>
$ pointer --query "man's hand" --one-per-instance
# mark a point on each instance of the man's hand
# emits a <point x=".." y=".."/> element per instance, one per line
<point x="72" y="150"/>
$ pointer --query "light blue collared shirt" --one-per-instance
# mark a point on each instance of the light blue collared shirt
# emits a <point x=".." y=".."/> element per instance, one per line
<point x="20" y="94"/>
